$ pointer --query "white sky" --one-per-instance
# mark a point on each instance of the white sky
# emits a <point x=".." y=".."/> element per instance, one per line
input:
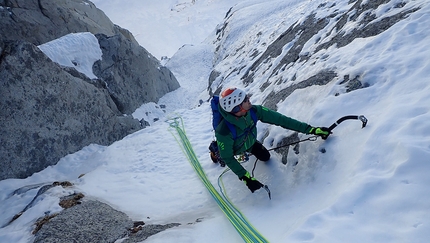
<point x="162" y="27"/>
<point x="372" y="184"/>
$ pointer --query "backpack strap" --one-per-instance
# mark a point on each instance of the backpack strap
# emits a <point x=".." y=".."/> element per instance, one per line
<point x="253" y="116"/>
<point x="216" y="115"/>
<point x="248" y="131"/>
<point x="232" y="129"/>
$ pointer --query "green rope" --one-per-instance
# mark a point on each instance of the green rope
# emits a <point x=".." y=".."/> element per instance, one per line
<point x="236" y="218"/>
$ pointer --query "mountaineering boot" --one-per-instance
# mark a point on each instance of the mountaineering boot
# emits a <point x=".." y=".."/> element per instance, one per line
<point x="214" y="153"/>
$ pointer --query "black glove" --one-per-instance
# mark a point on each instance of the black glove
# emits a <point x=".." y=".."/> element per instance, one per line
<point x="251" y="182"/>
<point x="324" y="132"/>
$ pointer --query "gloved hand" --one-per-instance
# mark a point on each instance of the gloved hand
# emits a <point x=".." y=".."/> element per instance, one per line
<point x="251" y="182"/>
<point x="324" y="132"/>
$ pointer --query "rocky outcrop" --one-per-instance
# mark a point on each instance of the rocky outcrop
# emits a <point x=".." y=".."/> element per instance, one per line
<point x="82" y="220"/>
<point x="275" y="61"/>
<point x="293" y="57"/>
<point x="89" y="221"/>
<point x="131" y="73"/>
<point x="133" y="76"/>
<point x="48" y="111"/>
<point x="93" y="221"/>
<point x="40" y="21"/>
<point x="368" y="27"/>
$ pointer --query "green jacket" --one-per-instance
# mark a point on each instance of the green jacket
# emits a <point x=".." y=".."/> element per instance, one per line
<point x="229" y="147"/>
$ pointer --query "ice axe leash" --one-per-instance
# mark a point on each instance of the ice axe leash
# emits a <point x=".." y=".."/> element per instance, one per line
<point x="311" y="138"/>
<point x="362" y="118"/>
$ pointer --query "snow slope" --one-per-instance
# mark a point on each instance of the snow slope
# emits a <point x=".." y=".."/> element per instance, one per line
<point x="371" y="184"/>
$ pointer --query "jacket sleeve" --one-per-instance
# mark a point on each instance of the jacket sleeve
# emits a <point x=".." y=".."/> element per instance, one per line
<point x="225" y="145"/>
<point x="272" y="117"/>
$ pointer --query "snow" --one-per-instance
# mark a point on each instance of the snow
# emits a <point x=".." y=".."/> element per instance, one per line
<point x="371" y="184"/>
<point x="77" y="50"/>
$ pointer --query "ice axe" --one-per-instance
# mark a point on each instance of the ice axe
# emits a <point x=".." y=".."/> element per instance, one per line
<point x="362" y="118"/>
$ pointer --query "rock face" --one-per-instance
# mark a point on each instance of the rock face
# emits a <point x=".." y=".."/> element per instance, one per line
<point x="93" y="221"/>
<point x="293" y="56"/>
<point x="90" y="221"/>
<point x="48" y="111"/>
<point x="274" y="60"/>
<point x="133" y="76"/>
<point x="40" y="21"/>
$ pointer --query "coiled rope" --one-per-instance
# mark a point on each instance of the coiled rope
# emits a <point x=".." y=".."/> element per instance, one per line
<point x="236" y="218"/>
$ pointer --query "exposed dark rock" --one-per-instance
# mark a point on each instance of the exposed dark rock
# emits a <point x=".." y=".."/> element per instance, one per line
<point x="283" y="147"/>
<point x="298" y="34"/>
<point x="41" y="191"/>
<point x="40" y="222"/>
<point x="46" y="113"/>
<point x="71" y="201"/>
<point x="40" y="21"/>
<point x="146" y="231"/>
<point x="353" y="84"/>
<point x="50" y="111"/>
<point x="133" y="76"/>
<point x="90" y="221"/>
<point x="93" y="221"/>
<point x="370" y="27"/>
<point x="307" y="30"/>
<point x="212" y="77"/>
<point x="321" y="78"/>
